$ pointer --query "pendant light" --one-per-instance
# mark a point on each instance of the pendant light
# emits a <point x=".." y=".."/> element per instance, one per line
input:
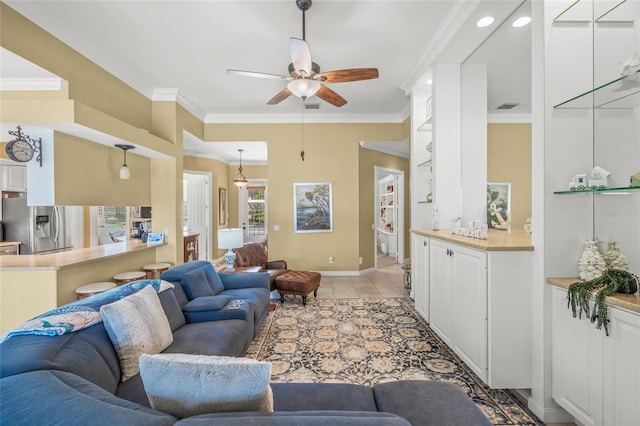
<point x="239" y="179"/>
<point x="125" y="173"/>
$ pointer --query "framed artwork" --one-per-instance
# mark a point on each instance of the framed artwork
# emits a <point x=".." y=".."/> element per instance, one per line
<point x="312" y="207"/>
<point x="498" y="204"/>
<point x="222" y="206"/>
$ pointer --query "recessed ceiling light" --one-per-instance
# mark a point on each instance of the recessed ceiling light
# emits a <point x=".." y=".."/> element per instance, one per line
<point x="521" y="22"/>
<point x="485" y="22"/>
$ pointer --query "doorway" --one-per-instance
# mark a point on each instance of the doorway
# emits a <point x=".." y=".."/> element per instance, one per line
<point x="196" y="210"/>
<point x="253" y="210"/>
<point x="389" y="216"/>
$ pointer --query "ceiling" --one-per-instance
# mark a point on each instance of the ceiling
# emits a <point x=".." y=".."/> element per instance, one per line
<point x="187" y="46"/>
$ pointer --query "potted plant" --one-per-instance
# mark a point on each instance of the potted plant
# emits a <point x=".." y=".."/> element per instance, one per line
<point x="610" y="282"/>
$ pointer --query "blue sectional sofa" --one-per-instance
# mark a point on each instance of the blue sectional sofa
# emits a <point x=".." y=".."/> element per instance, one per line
<point x="75" y="378"/>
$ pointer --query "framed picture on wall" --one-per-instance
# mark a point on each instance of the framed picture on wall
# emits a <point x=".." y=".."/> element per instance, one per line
<point x="312" y="207"/>
<point x="222" y="206"/>
<point x="498" y="204"/>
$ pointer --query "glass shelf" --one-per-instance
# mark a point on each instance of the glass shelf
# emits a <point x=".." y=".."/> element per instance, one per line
<point x="425" y="202"/>
<point x="605" y="190"/>
<point x="426" y="163"/>
<point x="619" y="93"/>
<point x="425" y="126"/>
<point x="603" y="10"/>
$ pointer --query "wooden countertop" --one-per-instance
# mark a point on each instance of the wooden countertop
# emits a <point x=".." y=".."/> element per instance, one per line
<point x="515" y="240"/>
<point x="9" y="243"/>
<point x="626" y="301"/>
<point x="71" y="257"/>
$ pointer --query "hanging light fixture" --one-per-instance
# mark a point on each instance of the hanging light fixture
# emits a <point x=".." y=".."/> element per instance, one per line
<point x="304" y="87"/>
<point x="125" y="173"/>
<point x="239" y="179"/>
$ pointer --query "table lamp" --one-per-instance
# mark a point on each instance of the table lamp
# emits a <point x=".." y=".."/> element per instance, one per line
<point x="229" y="239"/>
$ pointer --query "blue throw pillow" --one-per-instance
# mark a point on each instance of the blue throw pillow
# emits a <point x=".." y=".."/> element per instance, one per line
<point x="196" y="284"/>
<point x="214" y="279"/>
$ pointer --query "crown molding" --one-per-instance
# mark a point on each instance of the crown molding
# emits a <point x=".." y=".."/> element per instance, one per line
<point x="174" y="95"/>
<point x="29" y="84"/>
<point x="297" y="118"/>
<point x="450" y="26"/>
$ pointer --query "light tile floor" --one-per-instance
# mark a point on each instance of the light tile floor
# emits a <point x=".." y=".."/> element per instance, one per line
<point x="385" y="282"/>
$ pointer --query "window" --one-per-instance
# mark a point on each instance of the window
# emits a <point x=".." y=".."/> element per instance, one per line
<point x="256" y="223"/>
<point x="114" y="218"/>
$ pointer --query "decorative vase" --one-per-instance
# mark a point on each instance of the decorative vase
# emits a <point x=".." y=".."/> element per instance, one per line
<point x="633" y="286"/>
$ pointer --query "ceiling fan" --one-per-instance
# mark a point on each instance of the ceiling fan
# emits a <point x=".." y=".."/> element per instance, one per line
<point x="305" y="78"/>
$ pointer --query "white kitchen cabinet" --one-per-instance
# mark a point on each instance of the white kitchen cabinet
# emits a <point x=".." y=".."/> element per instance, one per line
<point x="14" y="177"/>
<point x="595" y="377"/>
<point x="420" y="274"/>
<point x="459" y="301"/>
<point x="577" y="363"/>
<point x="621" y="369"/>
<point x="478" y="304"/>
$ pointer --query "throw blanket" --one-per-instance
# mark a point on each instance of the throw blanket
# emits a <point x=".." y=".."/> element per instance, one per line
<point x="82" y="313"/>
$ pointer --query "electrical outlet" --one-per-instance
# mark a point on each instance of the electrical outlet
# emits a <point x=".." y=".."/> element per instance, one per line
<point x="330" y="259"/>
<point x="166" y="232"/>
<point x="360" y="260"/>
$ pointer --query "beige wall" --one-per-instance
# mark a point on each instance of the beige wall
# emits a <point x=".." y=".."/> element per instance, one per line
<point x="331" y="155"/>
<point x="88" y="174"/>
<point x="509" y="160"/>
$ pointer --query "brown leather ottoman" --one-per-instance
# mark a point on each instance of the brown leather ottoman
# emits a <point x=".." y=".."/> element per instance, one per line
<point x="298" y="283"/>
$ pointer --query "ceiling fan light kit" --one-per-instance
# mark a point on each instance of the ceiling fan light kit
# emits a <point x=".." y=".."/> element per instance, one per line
<point x="305" y="78"/>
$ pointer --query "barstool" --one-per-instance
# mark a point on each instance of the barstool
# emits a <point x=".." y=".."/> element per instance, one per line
<point x="154" y="270"/>
<point x="93" y="289"/>
<point x="127" y="277"/>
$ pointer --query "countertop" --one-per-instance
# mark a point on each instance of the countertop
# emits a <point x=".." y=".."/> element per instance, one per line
<point x="514" y="240"/>
<point x="71" y="257"/>
<point x="9" y="243"/>
<point x="626" y="301"/>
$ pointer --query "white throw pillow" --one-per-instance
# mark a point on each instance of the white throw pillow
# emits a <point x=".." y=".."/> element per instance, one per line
<point x="136" y="325"/>
<point x="187" y="385"/>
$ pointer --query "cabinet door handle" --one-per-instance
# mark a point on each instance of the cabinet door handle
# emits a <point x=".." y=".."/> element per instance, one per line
<point x="424" y="243"/>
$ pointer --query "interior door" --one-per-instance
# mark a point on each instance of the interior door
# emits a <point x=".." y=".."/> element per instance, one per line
<point x="197" y="210"/>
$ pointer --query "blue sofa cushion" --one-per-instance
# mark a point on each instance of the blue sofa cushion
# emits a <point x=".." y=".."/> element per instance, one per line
<point x="207" y="303"/>
<point x="58" y="397"/>
<point x="224" y="337"/>
<point x="306" y="418"/>
<point x="172" y="309"/>
<point x="87" y="353"/>
<point x="326" y="396"/>
<point x="429" y="402"/>
<point x="198" y="278"/>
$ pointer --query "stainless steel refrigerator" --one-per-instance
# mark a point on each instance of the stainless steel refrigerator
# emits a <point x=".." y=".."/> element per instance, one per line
<point x="40" y="229"/>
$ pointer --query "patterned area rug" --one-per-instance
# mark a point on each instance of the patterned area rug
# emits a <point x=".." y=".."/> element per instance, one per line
<point x="370" y="341"/>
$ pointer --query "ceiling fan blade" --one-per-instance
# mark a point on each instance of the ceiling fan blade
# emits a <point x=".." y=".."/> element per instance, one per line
<point x="281" y="96"/>
<point x="300" y="56"/>
<point x="330" y="96"/>
<point x="259" y="74"/>
<point x="353" y="74"/>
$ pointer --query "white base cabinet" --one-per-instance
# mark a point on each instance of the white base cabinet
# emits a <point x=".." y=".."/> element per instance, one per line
<point x="420" y="274"/>
<point x="479" y="306"/>
<point x="595" y="377"/>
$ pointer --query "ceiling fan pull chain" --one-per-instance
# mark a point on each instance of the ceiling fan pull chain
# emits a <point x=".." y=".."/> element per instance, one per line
<point x="302" y="133"/>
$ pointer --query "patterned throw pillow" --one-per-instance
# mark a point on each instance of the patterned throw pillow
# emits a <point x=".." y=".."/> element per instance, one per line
<point x="136" y="325"/>
<point x="187" y="385"/>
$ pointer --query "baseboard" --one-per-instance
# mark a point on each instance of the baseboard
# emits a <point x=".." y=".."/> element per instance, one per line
<point x="346" y="273"/>
<point x="550" y="415"/>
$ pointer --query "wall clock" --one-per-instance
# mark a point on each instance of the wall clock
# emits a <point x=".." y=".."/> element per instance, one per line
<point x="19" y="150"/>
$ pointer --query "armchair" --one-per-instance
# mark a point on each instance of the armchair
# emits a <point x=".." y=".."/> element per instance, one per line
<point x="252" y="256"/>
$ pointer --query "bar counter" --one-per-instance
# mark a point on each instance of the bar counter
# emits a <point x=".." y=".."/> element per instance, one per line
<point x="69" y="258"/>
